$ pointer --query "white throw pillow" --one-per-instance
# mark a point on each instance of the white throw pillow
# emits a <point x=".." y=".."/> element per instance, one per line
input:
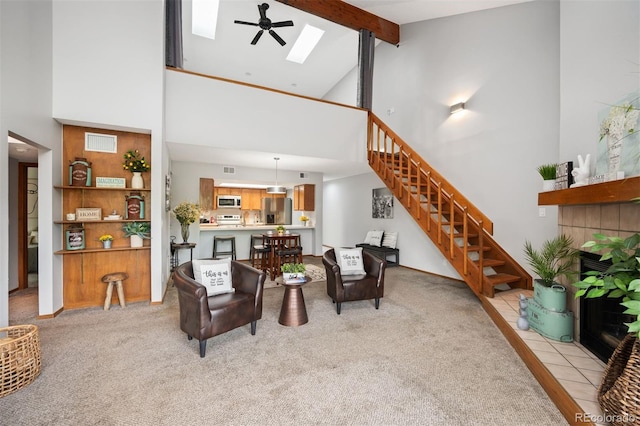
<point x="215" y="275"/>
<point x="367" y="239"/>
<point x="350" y="261"/>
<point x="376" y="238"/>
<point x="390" y="239"/>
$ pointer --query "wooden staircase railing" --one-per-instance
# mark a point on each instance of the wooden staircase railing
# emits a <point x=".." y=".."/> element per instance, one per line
<point x="458" y="228"/>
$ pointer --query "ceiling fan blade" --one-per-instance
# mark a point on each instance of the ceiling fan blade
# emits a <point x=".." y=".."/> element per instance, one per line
<point x="257" y="37"/>
<point x="282" y="24"/>
<point x="245" y="23"/>
<point x="262" y="8"/>
<point x="277" y="37"/>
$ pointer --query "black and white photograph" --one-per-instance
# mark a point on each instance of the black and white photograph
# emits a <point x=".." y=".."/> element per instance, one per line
<point x="382" y="203"/>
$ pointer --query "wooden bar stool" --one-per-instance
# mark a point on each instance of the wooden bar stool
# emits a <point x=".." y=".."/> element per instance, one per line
<point x="114" y="279"/>
<point x="231" y="239"/>
<point x="260" y="253"/>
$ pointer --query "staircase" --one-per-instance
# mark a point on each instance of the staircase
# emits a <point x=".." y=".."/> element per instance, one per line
<point x="460" y="231"/>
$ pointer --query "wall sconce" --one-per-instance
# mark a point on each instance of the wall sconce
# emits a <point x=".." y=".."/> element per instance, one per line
<point x="457" y="107"/>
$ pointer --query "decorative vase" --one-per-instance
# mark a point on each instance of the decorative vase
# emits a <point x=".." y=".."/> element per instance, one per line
<point x="305" y="223"/>
<point x="614" y="151"/>
<point x="136" y="181"/>
<point x="134" y="206"/>
<point x="136" y="241"/>
<point x="184" y="230"/>
<point x="106" y="244"/>
<point x="80" y="172"/>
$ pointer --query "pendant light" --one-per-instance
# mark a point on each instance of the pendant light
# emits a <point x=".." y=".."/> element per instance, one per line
<point x="276" y="189"/>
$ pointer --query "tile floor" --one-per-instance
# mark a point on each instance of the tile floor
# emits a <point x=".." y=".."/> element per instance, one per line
<point x="577" y="369"/>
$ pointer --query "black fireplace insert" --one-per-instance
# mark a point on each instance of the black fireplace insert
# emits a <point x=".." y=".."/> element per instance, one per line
<point x="601" y="319"/>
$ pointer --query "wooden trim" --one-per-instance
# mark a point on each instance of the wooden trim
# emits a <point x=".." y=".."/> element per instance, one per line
<point x="255" y="86"/>
<point x="349" y="16"/>
<point x="51" y="316"/>
<point x="565" y="403"/>
<point x="600" y="193"/>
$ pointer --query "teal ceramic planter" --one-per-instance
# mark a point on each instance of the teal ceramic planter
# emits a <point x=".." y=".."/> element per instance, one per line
<point x="552" y="298"/>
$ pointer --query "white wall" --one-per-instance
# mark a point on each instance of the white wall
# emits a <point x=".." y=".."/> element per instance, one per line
<point x="204" y="111"/>
<point x="108" y="72"/>
<point x="600" y="50"/>
<point x="25" y="109"/>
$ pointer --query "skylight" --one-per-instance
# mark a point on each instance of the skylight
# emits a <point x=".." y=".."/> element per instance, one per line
<point x="204" y="18"/>
<point x="309" y="37"/>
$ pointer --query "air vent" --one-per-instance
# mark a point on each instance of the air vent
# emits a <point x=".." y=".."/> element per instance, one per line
<point x="100" y="143"/>
<point x="228" y="170"/>
<point x="303" y="175"/>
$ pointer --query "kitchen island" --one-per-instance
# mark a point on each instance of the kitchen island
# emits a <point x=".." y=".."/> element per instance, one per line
<point x="243" y="238"/>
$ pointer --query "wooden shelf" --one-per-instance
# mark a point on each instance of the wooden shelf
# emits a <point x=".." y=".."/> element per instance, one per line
<point x="617" y="191"/>
<point x="100" y="250"/>
<point x="71" y="222"/>
<point x="83" y="188"/>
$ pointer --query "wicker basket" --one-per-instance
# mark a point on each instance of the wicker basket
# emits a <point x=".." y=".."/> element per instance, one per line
<point x="619" y="391"/>
<point x="19" y="357"/>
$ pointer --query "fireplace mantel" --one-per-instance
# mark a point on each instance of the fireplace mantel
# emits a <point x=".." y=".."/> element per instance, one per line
<point x="600" y="193"/>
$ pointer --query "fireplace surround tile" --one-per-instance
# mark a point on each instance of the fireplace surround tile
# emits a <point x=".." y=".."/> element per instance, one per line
<point x="610" y="217"/>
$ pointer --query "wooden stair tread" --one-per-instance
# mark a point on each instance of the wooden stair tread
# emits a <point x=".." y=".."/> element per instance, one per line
<point x="500" y="278"/>
<point x="491" y="262"/>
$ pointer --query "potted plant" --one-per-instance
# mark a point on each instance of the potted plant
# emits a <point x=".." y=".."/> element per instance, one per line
<point x="292" y="271"/>
<point x="555" y="259"/>
<point x="137" y="231"/>
<point x="186" y="213"/>
<point x="548" y="173"/>
<point x="620" y="385"/>
<point x="136" y="164"/>
<point x="106" y="240"/>
<point x="280" y="229"/>
<point x="304" y="219"/>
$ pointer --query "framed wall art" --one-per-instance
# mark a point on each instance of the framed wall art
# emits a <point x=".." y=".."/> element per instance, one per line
<point x="382" y="204"/>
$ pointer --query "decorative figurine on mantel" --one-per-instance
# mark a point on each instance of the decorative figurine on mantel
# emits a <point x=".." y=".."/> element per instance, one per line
<point x="581" y="174"/>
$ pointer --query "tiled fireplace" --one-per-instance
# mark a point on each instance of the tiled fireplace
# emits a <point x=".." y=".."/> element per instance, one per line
<point x="582" y="221"/>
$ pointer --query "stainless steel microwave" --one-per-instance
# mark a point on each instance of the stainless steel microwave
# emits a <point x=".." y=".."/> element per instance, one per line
<point x="229" y="201"/>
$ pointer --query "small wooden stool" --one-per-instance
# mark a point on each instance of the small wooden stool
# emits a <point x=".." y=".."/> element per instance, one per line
<point x="114" y="279"/>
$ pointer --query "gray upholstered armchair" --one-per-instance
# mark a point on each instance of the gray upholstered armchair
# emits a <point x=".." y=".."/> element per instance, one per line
<point x="345" y="288"/>
<point x="203" y="316"/>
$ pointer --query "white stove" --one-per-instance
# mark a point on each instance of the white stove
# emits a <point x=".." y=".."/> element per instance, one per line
<point x="228" y="219"/>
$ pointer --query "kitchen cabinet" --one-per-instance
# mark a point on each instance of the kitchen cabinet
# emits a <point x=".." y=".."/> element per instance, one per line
<point x="84" y="268"/>
<point x="206" y="194"/>
<point x="252" y="198"/>
<point x="304" y="197"/>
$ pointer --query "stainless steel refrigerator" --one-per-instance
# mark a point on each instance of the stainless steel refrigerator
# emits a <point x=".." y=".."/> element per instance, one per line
<point x="277" y="211"/>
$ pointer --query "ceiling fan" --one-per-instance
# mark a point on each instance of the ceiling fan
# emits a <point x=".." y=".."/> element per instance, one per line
<point x="265" y="24"/>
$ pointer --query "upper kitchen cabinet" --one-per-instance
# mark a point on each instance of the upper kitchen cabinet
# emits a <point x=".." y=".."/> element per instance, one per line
<point x="252" y="198"/>
<point x="304" y="197"/>
<point x="206" y="194"/>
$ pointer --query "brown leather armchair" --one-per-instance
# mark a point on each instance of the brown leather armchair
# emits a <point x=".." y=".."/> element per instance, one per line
<point x="346" y="288"/>
<point x="203" y="317"/>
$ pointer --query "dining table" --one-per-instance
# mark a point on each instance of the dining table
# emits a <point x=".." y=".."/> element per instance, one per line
<point x="277" y="242"/>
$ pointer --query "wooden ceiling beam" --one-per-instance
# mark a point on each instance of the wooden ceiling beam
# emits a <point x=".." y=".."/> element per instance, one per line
<point x="349" y="16"/>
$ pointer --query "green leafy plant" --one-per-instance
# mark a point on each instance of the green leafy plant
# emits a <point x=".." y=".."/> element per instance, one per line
<point x="621" y="279"/>
<point x="548" y="171"/>
<point x="555" y="259"/>
<point x="141" y="229"/>
<point x="293" y="268"/>
<point x="134" y="162"/>
<point x="280" y="228"/>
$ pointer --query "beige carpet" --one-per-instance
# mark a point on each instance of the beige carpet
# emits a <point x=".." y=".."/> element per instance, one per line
<point x="429" y="356"/>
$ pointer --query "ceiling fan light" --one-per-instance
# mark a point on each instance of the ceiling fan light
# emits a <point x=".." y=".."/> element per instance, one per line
<point x="276" y="190"/>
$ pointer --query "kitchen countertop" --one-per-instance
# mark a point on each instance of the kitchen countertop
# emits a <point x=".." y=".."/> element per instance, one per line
<point x="249" y="227"/>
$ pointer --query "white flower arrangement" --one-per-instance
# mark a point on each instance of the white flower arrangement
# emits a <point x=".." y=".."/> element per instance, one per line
<point x="620" y="122"/>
